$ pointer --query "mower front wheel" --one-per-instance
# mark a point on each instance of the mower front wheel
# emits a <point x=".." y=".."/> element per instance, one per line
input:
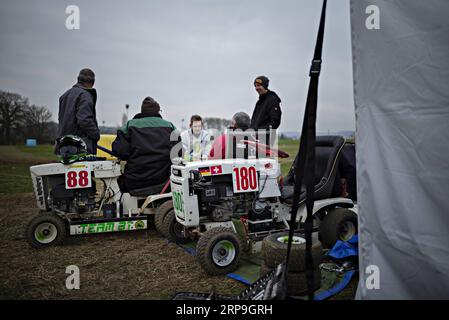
<point x="219" y="251"/>
<point x="160" y="214"/>
<point x="173" y="230"/>
<point x="46" y="230"/>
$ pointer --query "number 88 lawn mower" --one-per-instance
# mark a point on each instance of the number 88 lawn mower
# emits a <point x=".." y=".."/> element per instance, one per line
<point x="66" y="196"/>
<point x="231" y="205"/>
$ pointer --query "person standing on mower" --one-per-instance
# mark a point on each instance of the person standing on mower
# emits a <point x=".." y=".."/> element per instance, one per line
<point x="267" y="112"/>
<point x="195" y="141"/>
<point x="241" y="121"/>
<point x="77" y="115"/>
<point x="144" y="143"/>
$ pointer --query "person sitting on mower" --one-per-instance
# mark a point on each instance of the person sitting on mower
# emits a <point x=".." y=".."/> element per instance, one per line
<point x="195" y="141"/>
<point x="144" y="142"/>
<point x="241" y="121"/>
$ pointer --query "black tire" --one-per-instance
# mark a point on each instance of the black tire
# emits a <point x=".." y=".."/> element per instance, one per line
<point x="296" y="281"/>
<point x="338" y="224"/>
<point x="53" y="231"/>
<point x="274" y="252"/>
<point x="173" y="229"/>
<point x="214" y="239"/>
<point x="160" y="214"/>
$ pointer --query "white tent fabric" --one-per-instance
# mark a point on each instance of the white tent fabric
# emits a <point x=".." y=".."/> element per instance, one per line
<point x="401" y="93"/>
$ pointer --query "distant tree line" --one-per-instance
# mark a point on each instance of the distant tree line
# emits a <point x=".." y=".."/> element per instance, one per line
<point x="216" y="123"/>
<point x="20" y="120"/>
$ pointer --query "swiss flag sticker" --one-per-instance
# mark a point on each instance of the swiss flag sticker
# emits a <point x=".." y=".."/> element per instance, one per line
<point x="215" y="169"/>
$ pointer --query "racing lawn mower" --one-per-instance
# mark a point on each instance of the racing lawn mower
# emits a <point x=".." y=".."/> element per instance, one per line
<point x="231" y="205"/>
<point x="66" y="196"/>
<point x="210" y="206"/>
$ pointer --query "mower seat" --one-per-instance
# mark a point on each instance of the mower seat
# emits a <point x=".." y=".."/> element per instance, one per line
<point x="147" y="191"/>
<point x="327" y="156"/>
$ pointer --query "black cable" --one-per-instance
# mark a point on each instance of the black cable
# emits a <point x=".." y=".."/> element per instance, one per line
<point x="258" y="197"/>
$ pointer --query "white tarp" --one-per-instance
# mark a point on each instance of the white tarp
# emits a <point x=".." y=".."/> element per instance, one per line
<point x="401" y="92"/>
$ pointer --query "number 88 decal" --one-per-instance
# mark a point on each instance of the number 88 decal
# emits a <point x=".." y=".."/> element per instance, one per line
<point x="73" y="182"/>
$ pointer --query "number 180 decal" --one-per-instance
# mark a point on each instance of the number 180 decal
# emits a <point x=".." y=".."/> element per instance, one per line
<point x="244" y="179"/>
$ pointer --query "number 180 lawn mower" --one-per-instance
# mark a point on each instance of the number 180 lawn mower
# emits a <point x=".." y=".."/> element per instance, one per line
<point x="230" y="205"/>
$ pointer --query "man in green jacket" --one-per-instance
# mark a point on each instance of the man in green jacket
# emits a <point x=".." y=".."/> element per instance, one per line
<point x="144" y="142"/>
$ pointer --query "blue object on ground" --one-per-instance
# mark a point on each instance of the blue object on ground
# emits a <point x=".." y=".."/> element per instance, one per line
<point x="239" y="278"/>
<point x="31" y="142"/>
<point x="340" y="251"/>
<point x="344" y="249"/>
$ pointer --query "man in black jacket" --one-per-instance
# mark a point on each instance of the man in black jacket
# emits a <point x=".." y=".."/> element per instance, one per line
<point x="77" y="114"/>
<point x="268" y="110"/>
<point x="144" y="142"/>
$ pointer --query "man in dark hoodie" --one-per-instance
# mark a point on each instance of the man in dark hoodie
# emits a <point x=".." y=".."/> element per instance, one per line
<point x="77" y="114"/>
<point x="268" y="110"/>
<point x="144" y="142"/>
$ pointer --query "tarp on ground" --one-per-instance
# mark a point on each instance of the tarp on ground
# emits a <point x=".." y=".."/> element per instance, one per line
<point x="401" y="92"/>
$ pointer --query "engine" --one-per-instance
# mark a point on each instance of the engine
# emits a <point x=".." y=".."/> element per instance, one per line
<point x="72" y="200"/>
<point x="219" y="203"/>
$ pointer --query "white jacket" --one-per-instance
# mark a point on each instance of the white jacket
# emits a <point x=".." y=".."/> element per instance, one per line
<point x="195" y="148"/>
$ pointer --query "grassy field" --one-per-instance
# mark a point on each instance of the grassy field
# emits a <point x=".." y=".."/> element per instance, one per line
<point x="15" y="162"/>
<point x="291" y="147"/>
<point x="26" y="155"/>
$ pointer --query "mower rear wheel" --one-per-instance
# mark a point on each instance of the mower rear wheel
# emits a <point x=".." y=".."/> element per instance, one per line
<point x="338" y="224"/>
<point x="46" y="230"/>
<point x="173" y="229"/>
<point x="218" y="251"/>
<point x="160" y="214"/>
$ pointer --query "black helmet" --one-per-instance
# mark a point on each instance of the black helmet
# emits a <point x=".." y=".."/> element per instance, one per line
<point x="70" y="148"/>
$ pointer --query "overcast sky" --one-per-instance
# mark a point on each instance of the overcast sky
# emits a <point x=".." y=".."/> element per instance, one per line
<point x="193" y="56"/>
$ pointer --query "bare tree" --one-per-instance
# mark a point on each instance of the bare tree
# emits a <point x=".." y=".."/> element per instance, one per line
<point x="35" y="122"/>
<point x="12" y="106"/>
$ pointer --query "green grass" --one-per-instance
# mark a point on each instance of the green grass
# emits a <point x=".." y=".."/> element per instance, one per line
<point x="15" y="178"/>
<point x="291" y="147"/>
<point x="15" y="162"/>
<point x="27" y="155"/>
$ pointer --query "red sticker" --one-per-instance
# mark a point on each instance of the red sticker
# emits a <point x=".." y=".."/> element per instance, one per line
<point x="215" y="170"/>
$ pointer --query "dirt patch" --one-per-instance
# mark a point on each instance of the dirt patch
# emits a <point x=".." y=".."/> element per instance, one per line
<point x="135" y="265"/>
<point x="138" y="265"/>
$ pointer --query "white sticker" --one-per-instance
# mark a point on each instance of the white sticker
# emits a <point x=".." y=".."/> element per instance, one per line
<point x="78" y="175"/>
<point x="244" y="179"/>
